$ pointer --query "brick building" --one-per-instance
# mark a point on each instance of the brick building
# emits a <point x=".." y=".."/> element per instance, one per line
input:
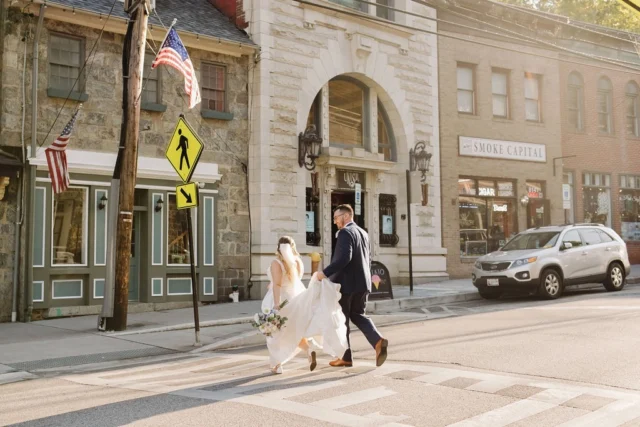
<point x="62" y="267"/>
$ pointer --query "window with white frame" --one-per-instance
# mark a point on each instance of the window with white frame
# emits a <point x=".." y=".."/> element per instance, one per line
<point x="382" y="9"/>
<point x="66" y="56"/>
<point x="151" y="86"/>
<point x="69" y="232"/>
<point x="214" y="79"/>
<point x="604" y="105"/>
<point x="596" y="196"/>
<point x="466" y="94"/>
<point x="500" y="93"/>
<point x="575" y="101"/>
<point x="532" y="97"/>
<point x="632" y="109"/>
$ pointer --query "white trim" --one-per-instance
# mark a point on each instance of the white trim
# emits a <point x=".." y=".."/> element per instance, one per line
<point x="95" y="228"/>
<point x="53" y="288"/>
<point x="194" y="223"/>
<point x="153" y="226"/>
<point x="213" y="237"/>
<point x="104" y="282"/>
<point x="204" y="286"/>
<point x="41" y="290"/>
<point x="85" y="230"/>
<point x="180" y="278"/>
<point x="161" y="287"/>
<point x="44" y="226"/>
<point x="101" y="163"/>
<point x="140" y="186"/>
<point x="79" y="182"/>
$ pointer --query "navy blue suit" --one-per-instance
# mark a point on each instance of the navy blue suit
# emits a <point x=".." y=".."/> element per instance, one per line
<point x="350" y="266"/>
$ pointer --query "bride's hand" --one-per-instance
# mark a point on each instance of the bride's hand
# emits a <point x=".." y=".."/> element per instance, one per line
<point x="320" y="275"/>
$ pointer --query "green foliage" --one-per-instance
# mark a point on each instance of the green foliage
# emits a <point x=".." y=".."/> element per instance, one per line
<point x="608" y="13"/>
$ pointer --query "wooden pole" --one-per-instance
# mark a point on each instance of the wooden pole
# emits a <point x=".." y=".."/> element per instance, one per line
<point x="409" y="230"/>
<point x="129" y="170"/>
<point x="194" y="279"/>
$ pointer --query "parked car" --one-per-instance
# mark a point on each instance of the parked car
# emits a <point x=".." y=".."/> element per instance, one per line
<point x="546" y="259"/>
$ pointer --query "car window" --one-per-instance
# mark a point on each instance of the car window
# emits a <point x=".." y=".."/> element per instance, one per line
<point x="591" y="236"/>
<point x="532" y="241"/>
<point x="572" y="237"/>
<point x="604" y="236"/>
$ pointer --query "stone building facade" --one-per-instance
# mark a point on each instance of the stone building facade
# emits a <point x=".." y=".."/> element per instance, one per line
<point x="370" y="90"/>
<point x="65" y="235"/>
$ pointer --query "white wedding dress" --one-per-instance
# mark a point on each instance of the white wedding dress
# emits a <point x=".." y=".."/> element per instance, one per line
<point x="312" y="312"/>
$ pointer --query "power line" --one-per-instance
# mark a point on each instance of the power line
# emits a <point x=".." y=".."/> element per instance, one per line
<point x="92" y="55"/>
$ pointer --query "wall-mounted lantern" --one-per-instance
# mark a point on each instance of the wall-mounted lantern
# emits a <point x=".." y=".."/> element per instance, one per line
<point x="103" y="202"/>
<point x="420" y="160"/>
<point x="309" y="144"/>
<point x="159" y="204"/>
<point x="524" y="200"/>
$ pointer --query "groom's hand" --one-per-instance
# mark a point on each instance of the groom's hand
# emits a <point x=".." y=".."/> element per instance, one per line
<point x="320" y="275"/>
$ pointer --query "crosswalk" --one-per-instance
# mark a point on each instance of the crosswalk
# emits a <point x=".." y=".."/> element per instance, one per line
<point x="369" y="396"/>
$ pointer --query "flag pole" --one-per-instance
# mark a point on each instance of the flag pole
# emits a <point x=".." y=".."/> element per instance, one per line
<point x="167" y="35"/>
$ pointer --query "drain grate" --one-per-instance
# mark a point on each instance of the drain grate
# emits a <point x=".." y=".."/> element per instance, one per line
<point x="60" y="362"/>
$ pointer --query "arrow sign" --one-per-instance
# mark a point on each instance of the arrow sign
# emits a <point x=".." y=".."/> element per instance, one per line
<point x="187" y="195"/>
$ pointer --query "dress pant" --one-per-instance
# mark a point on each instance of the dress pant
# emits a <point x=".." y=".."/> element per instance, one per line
<point x="353" y="306"/>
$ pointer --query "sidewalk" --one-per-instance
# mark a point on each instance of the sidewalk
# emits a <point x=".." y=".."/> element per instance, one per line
<point x="69" y="342"/>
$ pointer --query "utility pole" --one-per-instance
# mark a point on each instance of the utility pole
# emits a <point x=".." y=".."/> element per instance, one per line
<point x="138" y="14"/>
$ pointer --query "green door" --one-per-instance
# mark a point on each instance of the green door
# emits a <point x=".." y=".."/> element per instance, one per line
<point x="134" y="263"/>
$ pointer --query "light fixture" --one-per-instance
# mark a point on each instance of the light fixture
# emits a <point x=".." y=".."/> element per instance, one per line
<point x="309" y="144"/>
<point x="159" y="204"/>
<point x="524" y="200"/>
<point x="419" y="160"/>
<point x="103" y="202"/>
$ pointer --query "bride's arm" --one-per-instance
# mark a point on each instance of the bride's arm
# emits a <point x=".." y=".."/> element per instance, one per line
<point x="300" y="267"/>
<point x="276" y="278"/>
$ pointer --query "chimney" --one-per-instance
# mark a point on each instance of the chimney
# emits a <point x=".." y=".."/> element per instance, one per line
<point x="233" y="10"/>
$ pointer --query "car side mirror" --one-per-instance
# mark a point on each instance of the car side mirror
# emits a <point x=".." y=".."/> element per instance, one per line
<point x="566" y="245"/>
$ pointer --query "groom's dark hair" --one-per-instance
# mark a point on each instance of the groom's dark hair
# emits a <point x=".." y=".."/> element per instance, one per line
<point x="345" y="209"/>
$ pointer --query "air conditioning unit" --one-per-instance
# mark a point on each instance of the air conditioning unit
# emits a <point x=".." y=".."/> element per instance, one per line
<point x="150" y="3"/>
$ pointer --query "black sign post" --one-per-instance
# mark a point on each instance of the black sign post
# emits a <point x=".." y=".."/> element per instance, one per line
<point x="380" y="282"/>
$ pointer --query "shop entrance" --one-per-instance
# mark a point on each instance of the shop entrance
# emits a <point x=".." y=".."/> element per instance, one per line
<point x="341" y="198"/>
<point x="538" y="213"/>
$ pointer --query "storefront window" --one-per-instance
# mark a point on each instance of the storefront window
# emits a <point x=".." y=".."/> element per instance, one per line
<point x="69" y="236"/>
<point x="629" y="199"/>
<point x="178" y="238"/>
<point x="346" y="112"/>
<point x="538" y="209"/>
<point x="386" y="143"/>
<point x="486" y="220"/>
<point x="596" y="193"/>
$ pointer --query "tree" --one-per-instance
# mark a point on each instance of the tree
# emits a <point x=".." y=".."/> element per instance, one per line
<point x="607" y="13"/>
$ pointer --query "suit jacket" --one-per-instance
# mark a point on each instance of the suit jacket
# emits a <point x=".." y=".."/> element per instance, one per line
<point x="351" y="262"/>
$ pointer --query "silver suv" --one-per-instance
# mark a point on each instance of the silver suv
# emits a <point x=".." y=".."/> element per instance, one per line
<point x="546" y="259"/>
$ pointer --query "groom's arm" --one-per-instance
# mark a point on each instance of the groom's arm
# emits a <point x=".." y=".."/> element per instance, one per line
<point x="344" y="252"/>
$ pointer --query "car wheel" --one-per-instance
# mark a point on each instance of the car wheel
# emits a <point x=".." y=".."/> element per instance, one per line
<point x="615" y="280"/>
<point x="550" y="284"/>
<point x="490" y="295"/>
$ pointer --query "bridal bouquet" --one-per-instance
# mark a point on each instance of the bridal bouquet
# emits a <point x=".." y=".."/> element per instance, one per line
<point x="268" y="321"/>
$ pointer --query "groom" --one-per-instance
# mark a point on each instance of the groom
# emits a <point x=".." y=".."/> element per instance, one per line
<point x="350" y="267"/>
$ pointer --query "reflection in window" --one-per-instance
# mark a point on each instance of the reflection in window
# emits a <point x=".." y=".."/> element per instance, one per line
<point x="65" y="63"/>
<point x="572" y="237"/>
<point x="629" y="202"/>
<point x="69" y="227"/>
<point x="178" y="238"/>
<point x="346" y="109"/>
<point x="575" y="94"/>
<point x="632" y="109"/>
<point x="596" y="195"/>
<point x="384" y="12"/>
<point x="385" y="135"/>
<point x="604" y="105"/>
<point x="213" y="86"/>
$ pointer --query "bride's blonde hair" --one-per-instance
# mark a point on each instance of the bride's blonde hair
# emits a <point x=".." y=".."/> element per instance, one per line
<point x="286" y="240"/>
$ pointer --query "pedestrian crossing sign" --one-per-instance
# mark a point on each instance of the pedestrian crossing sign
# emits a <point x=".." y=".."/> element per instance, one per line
<point x="187" y="195"/>
<point x="184" y="150"/>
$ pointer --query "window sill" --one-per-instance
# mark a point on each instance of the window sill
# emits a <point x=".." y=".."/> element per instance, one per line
<point x="607" y="135"/>
<point x="577" y="132"/>
<point x="218" y="115"/>
<point x="60" y="93"/>
<point x="502" y="119"/>
<point x="468" y="116"/>
<point x="157" y="108"/>
<point x="532" y="123"/>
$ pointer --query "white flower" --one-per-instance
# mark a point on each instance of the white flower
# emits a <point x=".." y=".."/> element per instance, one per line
<point x="266" y="310"/>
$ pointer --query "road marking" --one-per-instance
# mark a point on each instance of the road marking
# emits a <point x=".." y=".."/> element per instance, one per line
<point x="554" y="396"/>
<point x="587" y="307"/>
<point x="611" y="415"/>
<point x="12" y="377"/>
<point x="493" y="385"/>
<point x="354" y="398"/>
<point x="507" y="414"/>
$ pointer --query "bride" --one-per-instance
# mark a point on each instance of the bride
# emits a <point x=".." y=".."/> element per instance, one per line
<point x="314" y="316"/>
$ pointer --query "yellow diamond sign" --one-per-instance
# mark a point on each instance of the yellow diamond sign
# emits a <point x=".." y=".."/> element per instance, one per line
<point x="184" y="150"/>
<point x="187" y="195"/>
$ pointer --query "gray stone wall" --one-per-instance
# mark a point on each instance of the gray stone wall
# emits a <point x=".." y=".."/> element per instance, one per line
<point x="8" y="217"/>
<point x="98" y="127"/>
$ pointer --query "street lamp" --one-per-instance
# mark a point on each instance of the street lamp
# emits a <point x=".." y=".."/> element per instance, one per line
<point x="419" y="160"/>
<point x="309" y="144"/>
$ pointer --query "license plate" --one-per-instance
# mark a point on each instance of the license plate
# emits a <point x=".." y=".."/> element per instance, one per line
<point x="493" y="282"/>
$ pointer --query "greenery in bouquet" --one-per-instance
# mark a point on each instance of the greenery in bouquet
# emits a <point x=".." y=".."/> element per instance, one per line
<point x="268" y="321"/>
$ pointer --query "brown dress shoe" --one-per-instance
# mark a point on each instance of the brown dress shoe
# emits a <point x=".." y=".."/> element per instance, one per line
<point x="381" y="351"/>
<point x="339" y="363"/>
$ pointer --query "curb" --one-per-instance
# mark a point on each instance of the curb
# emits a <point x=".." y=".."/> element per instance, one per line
<point x="205" y="324"/>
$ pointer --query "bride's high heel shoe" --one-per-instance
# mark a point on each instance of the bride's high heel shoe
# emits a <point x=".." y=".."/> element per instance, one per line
<point x="276" y="369"/>
<point x="312" y="360"/>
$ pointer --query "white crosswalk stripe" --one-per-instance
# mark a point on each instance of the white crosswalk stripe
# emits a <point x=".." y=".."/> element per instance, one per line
<point x="329" y="395"/>
<point x="11" y="377"/>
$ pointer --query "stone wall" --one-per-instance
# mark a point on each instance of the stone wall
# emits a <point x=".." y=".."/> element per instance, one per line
<point x="8" y="218"/>
<point x="98" y="127"/>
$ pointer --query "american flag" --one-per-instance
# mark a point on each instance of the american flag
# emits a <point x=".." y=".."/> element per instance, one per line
<point x="174" y="54"/>
<point x="57" y="158"/>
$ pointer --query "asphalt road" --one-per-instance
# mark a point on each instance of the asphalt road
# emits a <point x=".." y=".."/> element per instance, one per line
<point x="516" y="362"/>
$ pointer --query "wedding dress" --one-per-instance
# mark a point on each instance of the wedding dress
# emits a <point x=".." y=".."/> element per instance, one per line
<point x="313" y="313"/>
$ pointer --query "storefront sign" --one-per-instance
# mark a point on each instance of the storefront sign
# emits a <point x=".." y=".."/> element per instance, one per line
<point x="500" y="208"/>
<point x="347" y="179"/>
<point x="380" y="281"/>
<point x="310" y="221"/>
<point x="511" y="150"/>
<point x="566" y="196"/>
<point x="387" y="224"/>
<point x="486" y="191"/>
<point x="358" y="188"/>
